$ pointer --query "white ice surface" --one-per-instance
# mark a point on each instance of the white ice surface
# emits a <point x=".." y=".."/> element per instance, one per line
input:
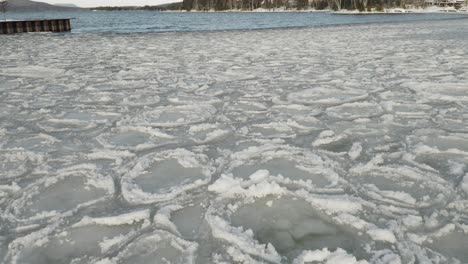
<point x="332" y="145"/>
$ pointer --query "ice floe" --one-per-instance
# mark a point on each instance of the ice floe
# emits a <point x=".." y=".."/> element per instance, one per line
<point x="159" y="247"/>
<point x="164" y="175"/>
<point x="51" y="197"/>
<point x="82" y="242"/>
<point x="134" y="138"/>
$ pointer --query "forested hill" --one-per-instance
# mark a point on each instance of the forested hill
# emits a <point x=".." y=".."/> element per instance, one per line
<point x="33" y="6"/>
<point x="164" y="7"/>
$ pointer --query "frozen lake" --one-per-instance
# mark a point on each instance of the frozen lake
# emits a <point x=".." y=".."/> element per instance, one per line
<point x="339" y="144"/>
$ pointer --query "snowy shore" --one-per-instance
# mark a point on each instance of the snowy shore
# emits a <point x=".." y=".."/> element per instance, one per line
<point x="397" y="11"/>
<point x="340" y="144"/>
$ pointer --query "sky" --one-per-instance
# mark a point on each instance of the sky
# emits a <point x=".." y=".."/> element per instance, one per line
<point x="94" y="3"/>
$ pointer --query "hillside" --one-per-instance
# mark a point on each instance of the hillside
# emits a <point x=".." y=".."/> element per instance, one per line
<point x="32" y="6"/>
<point x="163" y="7"/>
<point x="67" y="5"/>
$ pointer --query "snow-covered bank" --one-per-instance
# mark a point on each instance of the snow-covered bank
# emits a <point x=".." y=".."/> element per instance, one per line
<point x="257" y="10"/>
<point x="413" y="10"/>
<point x="343" y="144"/>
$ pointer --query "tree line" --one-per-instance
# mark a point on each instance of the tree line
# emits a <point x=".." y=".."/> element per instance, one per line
<point x="246" y="5"/>
<point x="361" y="5"/>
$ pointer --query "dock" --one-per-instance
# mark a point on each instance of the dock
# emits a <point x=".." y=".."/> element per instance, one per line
<point x="35" y="25"/>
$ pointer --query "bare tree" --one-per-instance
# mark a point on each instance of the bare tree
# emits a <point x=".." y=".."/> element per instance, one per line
<point x="4" y="8"/>
<point x="338" y="4"/>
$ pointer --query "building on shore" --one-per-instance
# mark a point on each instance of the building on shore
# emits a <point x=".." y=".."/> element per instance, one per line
<point x="446" y="3"/>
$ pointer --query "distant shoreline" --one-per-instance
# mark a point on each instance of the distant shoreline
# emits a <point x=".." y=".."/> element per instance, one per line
<point x="342" y="12"/>
<point x="342" y="7"/>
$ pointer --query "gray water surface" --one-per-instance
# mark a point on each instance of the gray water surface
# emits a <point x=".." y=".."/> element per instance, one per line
<point x="145" y="21"/>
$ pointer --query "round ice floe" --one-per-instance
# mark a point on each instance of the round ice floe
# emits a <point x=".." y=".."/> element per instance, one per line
<point x="445" y="91"/>
<point x="326" y="96"/>
<point x="15" y="163"/>
<point x="289" y="225"/>
<point x="287" y="165"/>
<point x="156" y="247"/>
<point x="410" y="110"/>
<point x="134" y="138"/>
<point x="274" y="227"/>
<point x="355" y="110"/>
<point x="184" y="99"/>
<point x="173" y="116"/>
<point x="38" y="103"/>
<point x="299" y="117"/>
<point x="205" y="133"/>
<point x="292" y="110"/>
<point x="243" y="111"/>
<point x="100" y="98"/>
<point x="41" y="143"/>
<point x="399" y="184"/>
<point x="328" y="140"/>
<point x="138" y="100"/>
<point x="378" y="137"/>
<point x="257" y="218"/>
<point x="279" y="129"/>
<point x="164" y="175"/>
<point x="247" y="107"/>
<point x="62" y="194"/>
<point x="272" y="130"/>
<point x="88" y="240"/>
<point x="74" y="121"/>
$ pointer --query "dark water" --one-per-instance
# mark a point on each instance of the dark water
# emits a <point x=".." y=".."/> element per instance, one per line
<point x="144" y="21"/>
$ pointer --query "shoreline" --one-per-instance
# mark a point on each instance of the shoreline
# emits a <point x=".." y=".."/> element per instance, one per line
<point x="341" y="12"/>
<point x="402" y="11"/>
<point x="395" y="10"/>
<point x="399" y="14"/>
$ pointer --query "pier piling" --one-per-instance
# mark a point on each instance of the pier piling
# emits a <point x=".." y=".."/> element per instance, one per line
<point x="35" y="25"/>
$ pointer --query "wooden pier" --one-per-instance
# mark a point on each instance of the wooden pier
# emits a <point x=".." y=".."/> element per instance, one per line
<point x="35" y="25"/>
